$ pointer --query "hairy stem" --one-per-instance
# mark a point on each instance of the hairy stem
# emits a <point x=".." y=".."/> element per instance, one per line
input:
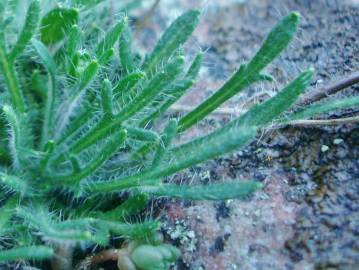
<point x="62" y="259"/>
<point x="10" y="78"/>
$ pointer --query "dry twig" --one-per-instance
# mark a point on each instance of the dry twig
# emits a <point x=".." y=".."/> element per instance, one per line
<point x="315" y="95"/>
<point x="330" y="89"/>
<point x="325" y="122"/>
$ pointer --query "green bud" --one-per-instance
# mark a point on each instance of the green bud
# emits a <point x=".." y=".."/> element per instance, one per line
<point x="148" y="257"/>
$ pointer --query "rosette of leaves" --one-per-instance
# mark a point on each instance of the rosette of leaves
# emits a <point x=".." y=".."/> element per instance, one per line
<point x="84" y="141"/>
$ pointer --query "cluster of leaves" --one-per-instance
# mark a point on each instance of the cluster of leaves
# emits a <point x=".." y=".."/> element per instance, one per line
<point x="82" y="123"/>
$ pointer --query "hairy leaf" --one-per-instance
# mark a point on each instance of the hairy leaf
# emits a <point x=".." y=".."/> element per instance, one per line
<point x="47" y="129"/>
<point x="223" y="191"/>
<point x="322" y="107"/>
<point x="26" y="253"/>
<point x="56" y="24"/>
<point x="175" y="35"/>
<point x="277" y="40"/>
<point x="29" y="29"/>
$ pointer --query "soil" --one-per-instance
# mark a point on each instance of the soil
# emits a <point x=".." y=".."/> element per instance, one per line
<point x="307" y="216"/>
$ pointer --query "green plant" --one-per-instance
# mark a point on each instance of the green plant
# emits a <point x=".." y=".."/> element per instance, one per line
<point x="82" y="149"/>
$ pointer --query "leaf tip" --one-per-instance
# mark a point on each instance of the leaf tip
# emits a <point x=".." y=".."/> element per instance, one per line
<point x="181" y="59"/>
<point x="75" y="27"/>
<point x="195" y="12"/>
<point x="258" y="185"/>
<point x="308" y="74"/>
<point x="94" y="62"/>
<point x="295" y="16"/>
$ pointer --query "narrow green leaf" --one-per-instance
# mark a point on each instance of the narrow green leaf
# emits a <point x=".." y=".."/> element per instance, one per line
<point x="7" y="69"/>
<point x="157" y="84"/>
<point x="5" y="157"/>
<point x="222" y="191"/>
<point x="56" y="24"/>
<point x="264" y="113"/>
<point x="71" y="49"/>
<point x="76" y="125"/>
<point x="107" y="126"/>
<point x="41" y="220"/>
<point x="222" y="141"/>
<point x="122" y="184"/>
<point x="126" y="56"/>
<point x="124" y="85"/>
<point x="92" y="138"/>
<point x="277" y="40"/>
<point x="80" y="223"/>
<point x="166" y="138"/>
<point x="128" y="82"/>
<point x="321" y="107"/>
<point x="106" y="98"/>
<point x="48" y="149"/>
<point x="131" y="206"/>
<point x="76" y="167"/>
<point x="38" y="84"/>
<point x="232" y="136"/>
<point x="104" y="154"/>
<point x="142" y="151"/>
<point x="87" y="76"/>
<point x="110" y="39"/>
<point x="87" y="3"/>
<point x="106" y="56"/>
<point x="15" y="133"/>
<point x="28" y="30"/>
<point x="195" y="67"/>
<point x="73" y="41"/>
<point x="15" y="184"/>
<point x="133" y="231"/>
<point x="82" y="229"/>
<point x="48" y="123"/>
<point x="258" y="116"/>
<point x="73" y="66"/>
<point x="141" y="134"/>
<point x="26" y="253"/>
<point x="6" y="212"/>
<point x="208" y="147"/>
<point x="174" y="37"/>
<point x="68" y="107"/>
<point x="126" y="89"/>
<point x="175" y="91"/>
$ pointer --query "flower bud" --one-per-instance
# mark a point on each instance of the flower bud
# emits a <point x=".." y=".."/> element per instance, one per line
<point x="149" y="257"/>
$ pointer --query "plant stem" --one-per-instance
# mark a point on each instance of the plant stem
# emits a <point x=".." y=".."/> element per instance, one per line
<point x="62" y="259"/>
<point x="104" y="256"/>
<point x="330" y="89"/>
<point x="325" y="122"/>
<point x="234" y="112"/>
<point x="8" y="71"/>
<point x="312" y="96"/>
